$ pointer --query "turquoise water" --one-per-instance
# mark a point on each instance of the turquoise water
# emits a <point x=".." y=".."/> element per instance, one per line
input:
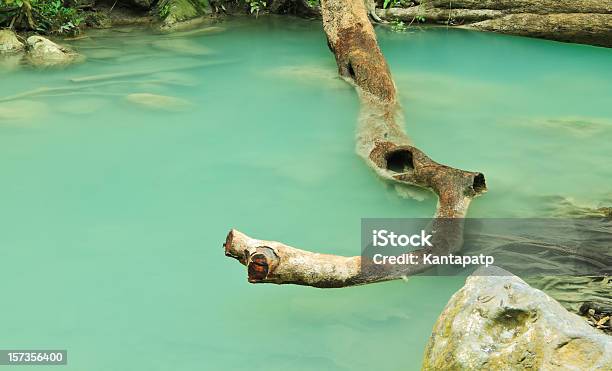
<point x="113" y="212"/>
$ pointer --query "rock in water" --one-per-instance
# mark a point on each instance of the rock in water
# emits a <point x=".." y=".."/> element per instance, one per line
<point x="21" y="110"/>
<point x="498" y="322"/>
<point x="10" y="62"/>
<point x="180" y="46"/>
<point x="174" y="12"/>
<point x="160" y="102"/>
<point x="45" y="53"/>
<point x="9" y="42"/>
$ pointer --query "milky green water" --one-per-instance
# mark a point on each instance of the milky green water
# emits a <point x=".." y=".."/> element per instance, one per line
<point x="112" y="212"/>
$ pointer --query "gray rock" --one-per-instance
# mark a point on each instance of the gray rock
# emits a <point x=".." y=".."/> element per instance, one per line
<point x="43" y="52"/>
<point x="9" y="42"/>
<point x="498" y="322"/>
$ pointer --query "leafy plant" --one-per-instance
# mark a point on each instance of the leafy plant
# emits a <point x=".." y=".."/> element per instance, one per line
<point x="393" y="3"/>
<point x="164" y="11"/>
<point x="398" y="26"/>
<point x="256" y="6"/>
<point x="15" y="10"/>
<point x="45" y="16"/>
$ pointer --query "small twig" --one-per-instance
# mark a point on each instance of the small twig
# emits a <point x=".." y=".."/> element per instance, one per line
<point x="14" y="18"/>
<point x="113" y="7"/>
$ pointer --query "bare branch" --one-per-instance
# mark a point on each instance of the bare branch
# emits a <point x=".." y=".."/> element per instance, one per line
<point x="385" y="147"/>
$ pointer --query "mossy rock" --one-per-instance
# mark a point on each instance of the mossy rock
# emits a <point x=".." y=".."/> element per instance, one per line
<point x="9" y="42"/>
<point x="43" y="52"/>
<point x="498" y="322"/>
<point x="175" y="11"/>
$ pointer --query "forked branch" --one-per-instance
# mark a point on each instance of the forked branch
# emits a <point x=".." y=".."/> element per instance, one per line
<point x="385" y="147"/>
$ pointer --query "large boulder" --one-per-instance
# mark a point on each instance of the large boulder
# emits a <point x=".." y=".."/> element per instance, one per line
<point x="43" y="52"/>
<point x="498" y="322"/>
<point x="173" y="12"/>
<point x="9" y="42"/>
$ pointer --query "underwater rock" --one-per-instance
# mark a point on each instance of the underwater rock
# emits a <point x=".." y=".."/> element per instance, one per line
<point x="497" y="321"/>
<point x="311" y="74"/>
<point x="161" y="102"/>
<point x="567" y="207"/>
<point x="176" y="78"/>
<point x="21" y="110"/>
<point x="181" y="46"/>
<point x="103" y="53"/>
<point x="10" y="62"/>
<point x="578" y="126"/>
<point x="43" y="52"/>
<point x="173" y="12"/>
<point x="9" y="42"/>
<point x="186" y="29"/>
<point x="83" y="106"/>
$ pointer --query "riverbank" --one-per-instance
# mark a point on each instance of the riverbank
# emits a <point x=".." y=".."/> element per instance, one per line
<point x="585" y="21"/>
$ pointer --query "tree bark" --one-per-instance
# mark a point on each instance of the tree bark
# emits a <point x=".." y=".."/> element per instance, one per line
<point x="580" y="21"/>
<point x="275" y="262"/>
<point x="386" y="148"/>
<point x="593" y="29"/>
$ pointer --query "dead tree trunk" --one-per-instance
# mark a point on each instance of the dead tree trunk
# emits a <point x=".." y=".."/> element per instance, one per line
<point x="385" y="147"/>
<point x="580" y="21"/>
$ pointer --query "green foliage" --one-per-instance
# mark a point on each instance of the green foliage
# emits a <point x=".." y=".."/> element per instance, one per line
<point x="313" y="3"/>
<point x="164" y="11"/>
<point x="45" y="16"/>
<point x="256" y="6"/>
<point x="393" y="3"/>
<point x="398" y="26"/>
<point x="55" y="18"/>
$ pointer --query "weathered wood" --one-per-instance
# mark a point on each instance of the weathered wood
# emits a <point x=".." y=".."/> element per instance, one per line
<point x="275" y="262"/>
<point x="529" y="6"/>
<point x="593" y="29"/>
<point x="579" y="21"/>
<point x="385" y="147"/>
<point x="438" y="15"/>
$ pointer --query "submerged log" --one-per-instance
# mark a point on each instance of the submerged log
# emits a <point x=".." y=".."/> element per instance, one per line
<point x="381" y="140"/>
<point x="385" y="147"/>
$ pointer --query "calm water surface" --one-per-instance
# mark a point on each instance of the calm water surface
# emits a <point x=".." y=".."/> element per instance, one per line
<point x="112" y="212"/>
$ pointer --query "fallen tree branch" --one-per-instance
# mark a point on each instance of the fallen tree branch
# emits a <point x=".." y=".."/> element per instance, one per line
<point x="581" y="21"/>
<point x="275" y="262"/>
<point x="438" y="15"/>
<point x="385" y="147"/>
<point x="593" y="29"/>
<point x="381" y="141"/>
